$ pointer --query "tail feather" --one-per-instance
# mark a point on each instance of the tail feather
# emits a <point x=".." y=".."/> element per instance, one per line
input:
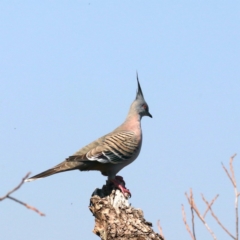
<point x="62" y="167"/>
<point x="44" y="174"/>
<point x="68" y="166"/>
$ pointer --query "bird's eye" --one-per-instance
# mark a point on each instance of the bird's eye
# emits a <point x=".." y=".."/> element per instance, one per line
<point x="145" y="106"/>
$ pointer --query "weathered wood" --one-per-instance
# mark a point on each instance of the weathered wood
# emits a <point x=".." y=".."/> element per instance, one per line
<point x="115" y="218"/>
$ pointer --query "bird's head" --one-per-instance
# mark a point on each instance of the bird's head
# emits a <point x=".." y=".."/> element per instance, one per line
<point x="140" y="105"/>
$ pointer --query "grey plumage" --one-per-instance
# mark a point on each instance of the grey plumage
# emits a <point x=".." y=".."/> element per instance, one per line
<point x="110" y="153"/>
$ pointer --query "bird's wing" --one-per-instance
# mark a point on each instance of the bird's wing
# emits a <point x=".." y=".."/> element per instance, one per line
<point x="114" y="148"/>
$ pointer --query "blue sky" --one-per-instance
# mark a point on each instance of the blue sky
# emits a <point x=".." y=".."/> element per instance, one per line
<point x="68" y="76"/>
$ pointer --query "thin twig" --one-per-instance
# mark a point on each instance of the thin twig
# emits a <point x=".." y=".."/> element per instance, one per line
<point x="160" y="229"/>
<point x="211" y="203"/>
<point x="215" y="217"/>
<point x="229" y="176"/>
<point x="192" y="204"/>
<point x="192" y="213"/>
<point x="234" y="182"/>
<point x="18" y="201"/>
<point x="26" y="205"/>
<point x="235" y="191"/>
<point x="16" y="188"/>
<point x="231" y="168"/>
<point x="193" y="225"/>
<point x="185" y="223"/>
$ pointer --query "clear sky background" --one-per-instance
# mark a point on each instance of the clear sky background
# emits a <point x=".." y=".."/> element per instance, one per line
<point x="68" y="76"/>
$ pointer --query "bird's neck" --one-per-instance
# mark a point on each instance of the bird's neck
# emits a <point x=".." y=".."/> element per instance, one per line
<point x="133" y="122"/>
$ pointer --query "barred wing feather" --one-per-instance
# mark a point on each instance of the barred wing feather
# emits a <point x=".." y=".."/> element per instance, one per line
<point x="116" y="148"/>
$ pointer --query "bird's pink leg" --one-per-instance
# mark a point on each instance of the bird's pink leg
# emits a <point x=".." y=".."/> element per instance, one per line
<point x="120" y="184"/>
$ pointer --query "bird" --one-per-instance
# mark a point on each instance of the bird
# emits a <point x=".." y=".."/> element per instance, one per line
<point x="113" y="151"/>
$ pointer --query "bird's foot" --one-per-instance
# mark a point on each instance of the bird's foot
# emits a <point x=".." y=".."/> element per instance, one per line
<point x="120" y="178"/>
<point x="120" y="184"/>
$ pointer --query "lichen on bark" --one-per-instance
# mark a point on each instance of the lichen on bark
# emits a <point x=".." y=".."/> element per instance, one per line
<point x="115" y="218"/>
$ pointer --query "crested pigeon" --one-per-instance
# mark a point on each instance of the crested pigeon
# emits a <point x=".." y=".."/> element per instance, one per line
<point x="112" y="152"/>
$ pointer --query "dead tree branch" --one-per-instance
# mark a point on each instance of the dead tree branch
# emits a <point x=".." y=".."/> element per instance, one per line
<point x="160" y="229"/>
<point x="18" y="201"/>
<point x="116" y="219"/>
<point x="186" y="224"/>
<point x="215" y="217"/>
<point x="201" y="217"/>
<point x="231" y="176"/>
<point x="209" y="206"/>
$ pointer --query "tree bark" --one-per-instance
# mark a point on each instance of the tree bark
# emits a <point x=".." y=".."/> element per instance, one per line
<point x="115" y="218"/>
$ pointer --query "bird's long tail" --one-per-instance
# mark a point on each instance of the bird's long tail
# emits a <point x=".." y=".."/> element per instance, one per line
<point x="62" y="167"/>
<point x="46" y="173"/>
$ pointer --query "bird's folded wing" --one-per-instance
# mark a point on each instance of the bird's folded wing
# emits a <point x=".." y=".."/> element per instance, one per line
<point x="115" y="148"/>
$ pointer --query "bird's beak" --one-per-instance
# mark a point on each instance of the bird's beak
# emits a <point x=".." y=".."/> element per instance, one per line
<point x="149" y="114"/>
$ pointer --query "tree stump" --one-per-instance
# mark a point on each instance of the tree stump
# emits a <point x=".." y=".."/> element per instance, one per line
<point x="115" y="218"/>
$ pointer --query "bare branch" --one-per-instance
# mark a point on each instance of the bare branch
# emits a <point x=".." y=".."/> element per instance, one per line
<point x="233" y="180"/>
<point x="16" y="188"/>
<point x="192" y="204"/>
<point x="235" y="191"/>
<point x="232" y="170"/>
<point x="229" y="176"/>
<point x="192" y="212"/>
<point x="26" y="205"/>
<point x="18" y="201"/>
<point x="185" y="223"/>
<point x="160" y="229"/>
<point x="193" y="225"/>
<point x="208" y="207"/>
<point x="215" y="217"/>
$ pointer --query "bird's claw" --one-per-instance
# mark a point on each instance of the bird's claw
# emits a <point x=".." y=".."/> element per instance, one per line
<point x="120" y="184"/>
